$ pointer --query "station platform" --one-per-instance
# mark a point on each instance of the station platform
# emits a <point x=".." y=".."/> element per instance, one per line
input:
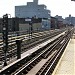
<point x="66" y="65"/>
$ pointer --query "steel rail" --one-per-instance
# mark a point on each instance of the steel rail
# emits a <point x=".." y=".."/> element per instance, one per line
<point x="34" y="54"/>
<point x="32" y="61"/>
<point x="26" y="47"/>
<point x="49" y="66"/>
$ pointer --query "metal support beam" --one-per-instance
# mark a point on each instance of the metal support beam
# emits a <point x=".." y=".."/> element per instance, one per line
<point x="18" y="42"/>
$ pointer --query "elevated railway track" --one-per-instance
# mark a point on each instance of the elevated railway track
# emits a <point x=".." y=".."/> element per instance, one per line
<point x="53" y="49"/>
<point x="26" y="43"/>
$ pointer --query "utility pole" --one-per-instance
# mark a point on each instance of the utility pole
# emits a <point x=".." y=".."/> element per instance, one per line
<point x="5" y="37"/>
<point x="30" y="29"/>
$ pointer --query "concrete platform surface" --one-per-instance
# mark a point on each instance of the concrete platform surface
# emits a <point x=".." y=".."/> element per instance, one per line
<point x="66" y="65"/>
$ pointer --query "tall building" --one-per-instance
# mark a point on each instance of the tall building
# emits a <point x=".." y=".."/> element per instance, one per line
<point x="60" y="21"/>
<point x="32" y="9"/>
<point x="59" y="18"/>
<point x="70" y="19"/>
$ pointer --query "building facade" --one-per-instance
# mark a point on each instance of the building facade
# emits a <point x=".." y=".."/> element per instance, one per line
<point x="54" y="23"/>
<point x="32" y="9"/>
<point x="70" y="20"/>
<point x="60" y="21"/>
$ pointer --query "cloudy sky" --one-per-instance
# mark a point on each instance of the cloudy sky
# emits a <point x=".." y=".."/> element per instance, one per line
<point x="58" y="7"/>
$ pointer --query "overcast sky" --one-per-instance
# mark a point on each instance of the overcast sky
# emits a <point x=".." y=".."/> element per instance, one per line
<point x="58" y="7"/>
